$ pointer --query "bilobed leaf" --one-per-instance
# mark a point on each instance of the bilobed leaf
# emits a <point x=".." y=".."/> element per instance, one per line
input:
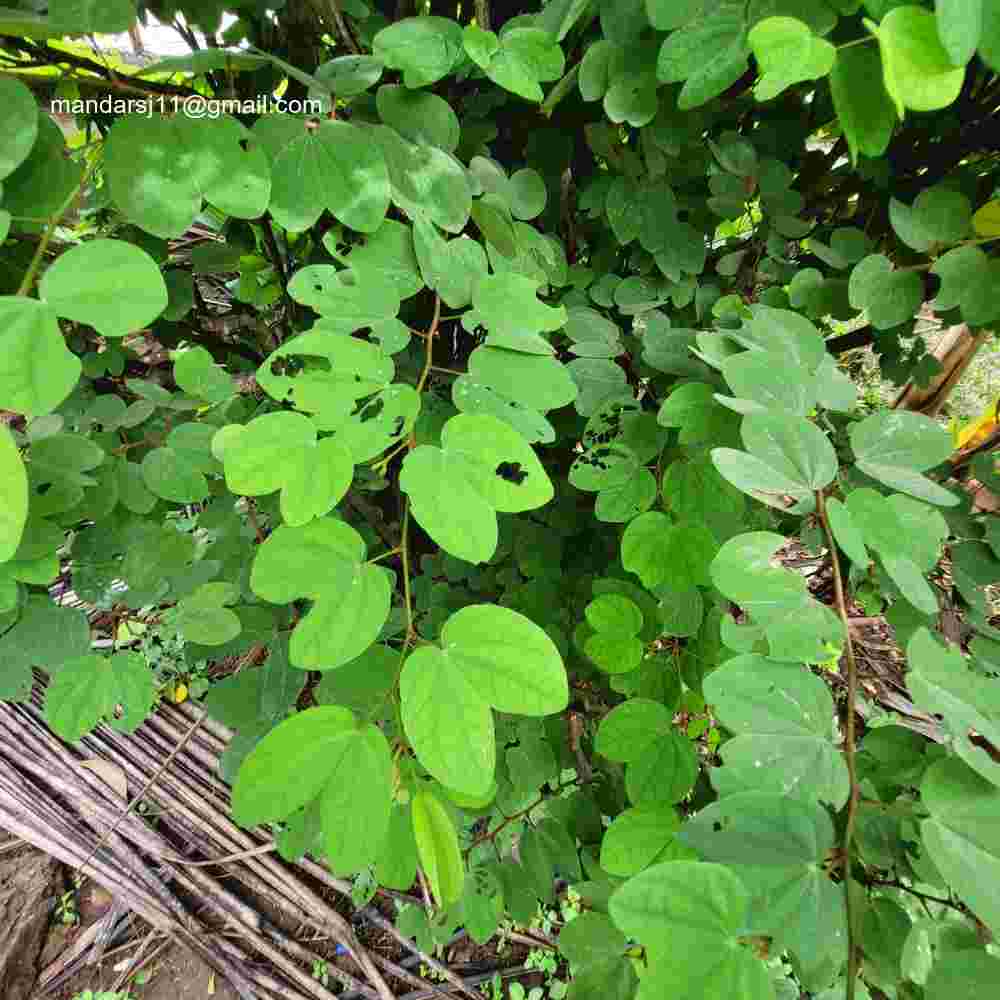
<point x="846" y="532"/>
<point x="787" y="53"/>
<point x="323" y="560"/>
<point x="699" y="908"/>
<point x="13" y="496"/>
<point x="424" y="49"/>
<point x="777" y="846"/>
<point x="864" y="108"/>
<point x="656" y="549"/>
<point x="158" y="169"/>
<point x="708" y="54"/>
<point x="90" y="689"/>
<point x="965" y="970"/>
<point x="917" y="70"/>
<point x="437" y="847"/>
<point x="519" y="60"/>
<point x="783" y="746"/>
<point x="938" y="215"/>
<point x="281" y="451"/>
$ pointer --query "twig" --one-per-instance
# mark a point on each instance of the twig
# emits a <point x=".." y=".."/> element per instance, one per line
<point x="483" y="14"/>
<point x="852" y="693"/>
<point x="136" y="799"/>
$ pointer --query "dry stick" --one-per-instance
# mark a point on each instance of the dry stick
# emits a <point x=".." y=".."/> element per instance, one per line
<point x="136" y="799"/>
<point x="69" y="851"/>
<point x="852" y="693"/>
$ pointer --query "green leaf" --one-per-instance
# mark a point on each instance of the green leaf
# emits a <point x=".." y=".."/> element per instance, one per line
<point x="627" y="730"/>
<point x="111" y="285"/>
<point x="917" y="70"/>
<point x="196" y="372"/>
<point x="640" y="837"/>
<point x="323" y="560"/>
<point x="657" y="550"/>
<point x="512" y="663"/>
<point x="960" y="834"/>
<point x="743" y="572"/>
<point x="437" y="847"/>
<point x="483" y="466"/>
<point x="348" y="76"/>
<point x="664" y="772"/>
<point x="890" y="297"/>
<point x="787" y="53"/>
<point x="517" y="61"/>
<point x="203" y="617"/>
<point x="43" y="182"/>
<point x="424" y="49"/>
<point x="19" y="124"/>
<point x="397" y="863"/>
<point x="355" y="802"/>
<point x="37" y="371"/>
<point x="86" y="16"/>
<point x="363" y="685"/>
<point x="426" y="182"/>
<point x="119" y="689"/>
<point x="507" y="303"/>
<point x="963" y="972"/>
<point x="389" y="251"/>
<point x="847" y="532"/>
<point x="159" y="168"/>
<point x="447" y="722"/>
<point x="750" y="375"/>
<point x="173" y="474"/>
<point x="614" y="613"/>
<point x="709" y="54"/>
<point x="756" y="478"/>
<point x="938" y="215"/>
<point x="866" y="112"/>
<point x="591" y="938"/>
<point x="528" y="194"/>
<point x="293" y="762"/>
<point x="942" y="683"/>
<point x="281" y="451"/>
<point x="968" y="281"/>
<point x="699" y="909"/>
<point x="894" y="447"/>
<point x="420" y="116"/>
<point x="447" y="506"/>
<point x="13" y="496"/>
<point x="794" y="447"/>
<point x="777" y="847"/>
<point x="784" y="746"/>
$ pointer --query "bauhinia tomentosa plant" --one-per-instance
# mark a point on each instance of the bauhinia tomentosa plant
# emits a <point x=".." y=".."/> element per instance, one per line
<point x="529" y="375"/>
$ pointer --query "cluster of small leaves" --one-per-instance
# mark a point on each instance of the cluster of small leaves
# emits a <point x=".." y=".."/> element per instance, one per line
<point x="488" y="499"/>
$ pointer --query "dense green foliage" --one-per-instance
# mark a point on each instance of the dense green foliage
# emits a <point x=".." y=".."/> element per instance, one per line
<point x="535" y="378"/>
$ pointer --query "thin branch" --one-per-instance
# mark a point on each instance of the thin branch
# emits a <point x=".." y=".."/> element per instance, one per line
<point x="840" y="601"/>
